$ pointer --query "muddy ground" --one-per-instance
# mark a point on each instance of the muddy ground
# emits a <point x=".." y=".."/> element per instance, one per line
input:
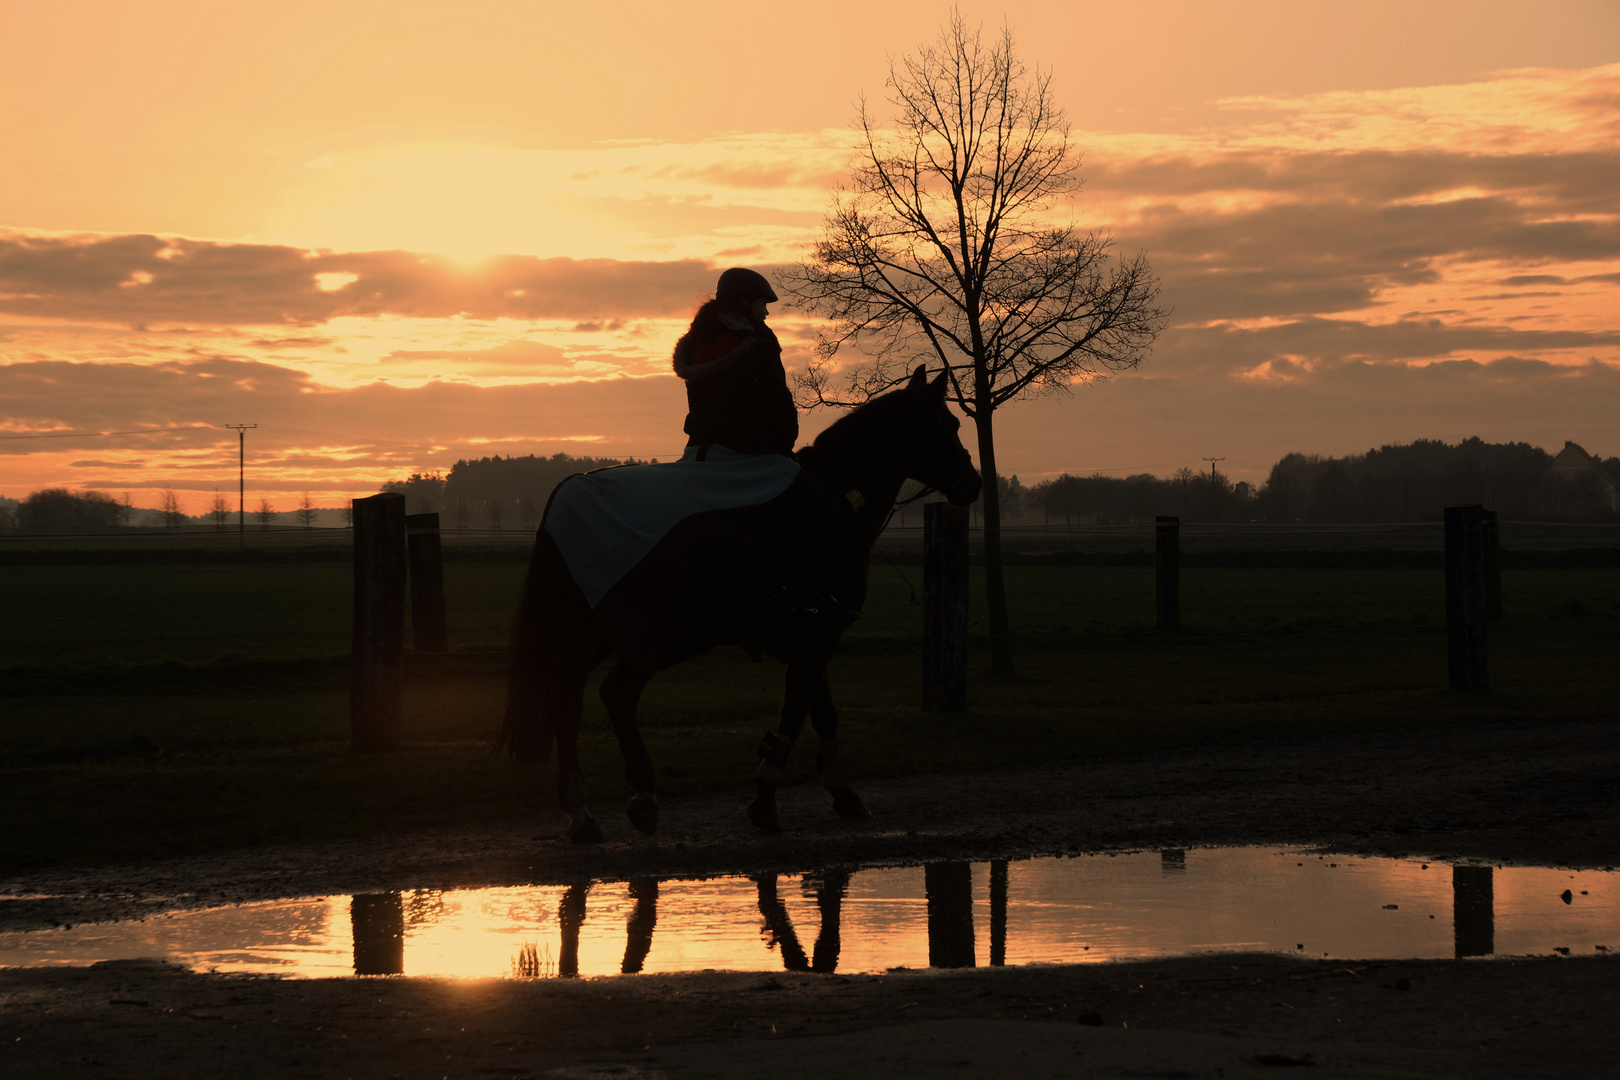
<point x="1545" y="793"/>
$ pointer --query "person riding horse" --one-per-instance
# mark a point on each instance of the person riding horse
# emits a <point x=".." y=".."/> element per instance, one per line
<point x="736" y="388"/>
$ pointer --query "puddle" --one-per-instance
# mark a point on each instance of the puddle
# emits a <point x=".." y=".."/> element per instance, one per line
<point x="1050" y="910"/>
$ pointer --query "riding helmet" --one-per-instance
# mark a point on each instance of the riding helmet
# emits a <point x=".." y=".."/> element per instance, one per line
<point x="740" y="283"/>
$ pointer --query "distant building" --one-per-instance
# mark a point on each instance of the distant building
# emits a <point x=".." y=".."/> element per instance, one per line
<point x="1242" y="490"/>
<point x="1574" y="465"/>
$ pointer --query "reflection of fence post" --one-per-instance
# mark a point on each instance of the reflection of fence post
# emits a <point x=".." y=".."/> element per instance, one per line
<point x="945" y="602"/>
<point x="998" y="912"/>
<point x="426" y="556"/>
<point x="949" y="887"/>
<point x="378" y="922"/>
<point x="1473" y="910"/>
<point x="1167" y="564"/>
<point x="1493" y="566"/>
<point x="377" y="661"/>
<point x="1466" y="598"/>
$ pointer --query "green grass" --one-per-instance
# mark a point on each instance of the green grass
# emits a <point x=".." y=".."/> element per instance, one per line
<point x="160" y="710"/>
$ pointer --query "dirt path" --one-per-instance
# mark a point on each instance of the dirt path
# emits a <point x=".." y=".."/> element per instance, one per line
<point x="1541" y="793"/>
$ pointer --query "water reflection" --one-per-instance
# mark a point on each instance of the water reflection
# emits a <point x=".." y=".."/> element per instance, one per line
<point x="570" y="918"/>
<point x="1173" y="861"/>
<point x="639" y="926"/>
<point x="998" y="912"/>
<point x="949" y="888"/>
<point x="377" y="921"/>
<point x="829" y="888"/>
<point x="1473" y="910"/>
<point x="950" y="914"/>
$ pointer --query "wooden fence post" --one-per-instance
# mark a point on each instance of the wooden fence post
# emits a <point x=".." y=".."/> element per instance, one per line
<point x="945" y="603"/>
<point x="1167" y="564"/>
<point x="377" y="660"/>
<point x="1465" y="599"/>
<point x="426" y="556"/>
<point x="1493" y="567"/>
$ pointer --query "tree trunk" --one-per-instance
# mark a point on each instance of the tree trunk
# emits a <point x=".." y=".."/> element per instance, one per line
<point x="995" y="587"/>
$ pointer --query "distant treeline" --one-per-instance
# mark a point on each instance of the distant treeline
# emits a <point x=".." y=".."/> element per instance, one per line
<point x="494" y="492"/>
<point x="1405" y="482"/>
<point x="62" y="512"/>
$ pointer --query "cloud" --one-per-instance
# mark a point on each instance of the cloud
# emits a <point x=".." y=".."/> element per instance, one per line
<point x="149" y="279"/>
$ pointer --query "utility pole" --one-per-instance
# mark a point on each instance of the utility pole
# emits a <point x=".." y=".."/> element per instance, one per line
<point x="241" y="480"/>
<point x="1212" y="461"/>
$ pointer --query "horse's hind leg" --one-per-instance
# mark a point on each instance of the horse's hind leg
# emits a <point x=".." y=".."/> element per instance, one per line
<point x="568" y="705"/>
<point x="621" y="692"/>
<point x="824" y="719"/>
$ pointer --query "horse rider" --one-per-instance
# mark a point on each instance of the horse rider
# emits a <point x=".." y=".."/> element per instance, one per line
<point x="736" y="388"/>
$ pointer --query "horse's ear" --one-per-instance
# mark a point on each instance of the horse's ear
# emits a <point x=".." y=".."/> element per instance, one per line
<point x="919" y="378"/>
<point x="940" y="385"/>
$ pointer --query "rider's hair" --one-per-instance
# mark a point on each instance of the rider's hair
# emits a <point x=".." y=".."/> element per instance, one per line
<point x="706" y="319"/>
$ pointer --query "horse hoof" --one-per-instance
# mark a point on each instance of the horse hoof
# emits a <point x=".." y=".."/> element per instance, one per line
<point x="763" y="815"/>
<point x="583" y="829"/>
<point x="643" y="812"/>
<point x="847" y="804"/>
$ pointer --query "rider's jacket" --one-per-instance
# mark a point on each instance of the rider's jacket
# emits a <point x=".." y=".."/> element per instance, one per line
<point x="736" y="389"/>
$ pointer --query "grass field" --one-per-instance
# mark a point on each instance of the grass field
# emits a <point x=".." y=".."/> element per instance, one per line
<point x="152" y="710"/>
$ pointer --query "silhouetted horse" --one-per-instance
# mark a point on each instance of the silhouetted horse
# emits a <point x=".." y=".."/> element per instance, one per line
<point x="784" y="578"/>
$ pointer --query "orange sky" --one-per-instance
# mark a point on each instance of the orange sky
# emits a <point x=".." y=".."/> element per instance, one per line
<point x="399" y="234"/>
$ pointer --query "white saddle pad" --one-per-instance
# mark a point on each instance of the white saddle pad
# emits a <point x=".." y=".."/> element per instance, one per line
<point x="605" y="522"/>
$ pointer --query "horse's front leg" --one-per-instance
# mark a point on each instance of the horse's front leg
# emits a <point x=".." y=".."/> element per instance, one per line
<point x="621" y="693"/>
<point x="799" y="684"/>
<point x="824" y="719"/>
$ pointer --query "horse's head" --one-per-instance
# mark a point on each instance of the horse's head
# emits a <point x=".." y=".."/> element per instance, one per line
<point x="936" y="456"/>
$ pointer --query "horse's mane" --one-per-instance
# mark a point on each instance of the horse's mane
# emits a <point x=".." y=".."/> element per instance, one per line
<point x="876" y="410"/>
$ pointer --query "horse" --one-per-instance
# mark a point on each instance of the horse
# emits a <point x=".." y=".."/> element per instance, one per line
<point x="785" y="578"/>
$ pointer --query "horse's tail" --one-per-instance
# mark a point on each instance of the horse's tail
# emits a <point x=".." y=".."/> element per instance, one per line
<point x="551" y="630"/>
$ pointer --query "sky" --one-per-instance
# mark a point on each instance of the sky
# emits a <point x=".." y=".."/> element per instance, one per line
<point x="394" y="235"/>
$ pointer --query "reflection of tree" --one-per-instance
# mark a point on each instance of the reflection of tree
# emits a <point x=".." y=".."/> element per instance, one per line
<point x="531" y="963"/>
<point x="778" y="928"/>
<point x="571" y="916"/>
<point x="639" y="926"/>
<point x="378" y="922"/>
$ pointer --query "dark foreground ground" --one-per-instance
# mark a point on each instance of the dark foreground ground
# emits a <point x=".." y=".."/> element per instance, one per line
<point x="1535" y="793"/>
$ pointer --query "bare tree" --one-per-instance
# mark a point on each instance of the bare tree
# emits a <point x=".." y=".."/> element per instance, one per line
<point x="126" y="512"/>
<point x="951" y="244"/>
<point x="306" y="512"/>
<point x="265" y="514"/>
<point x="219" y="510"/>
<point x="497" y="512"/>
<point x="169" y="509"/>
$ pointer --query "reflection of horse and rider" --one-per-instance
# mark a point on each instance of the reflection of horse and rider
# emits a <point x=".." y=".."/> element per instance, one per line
<point x="947" y="886"/>
<point x="742" y="542"/>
